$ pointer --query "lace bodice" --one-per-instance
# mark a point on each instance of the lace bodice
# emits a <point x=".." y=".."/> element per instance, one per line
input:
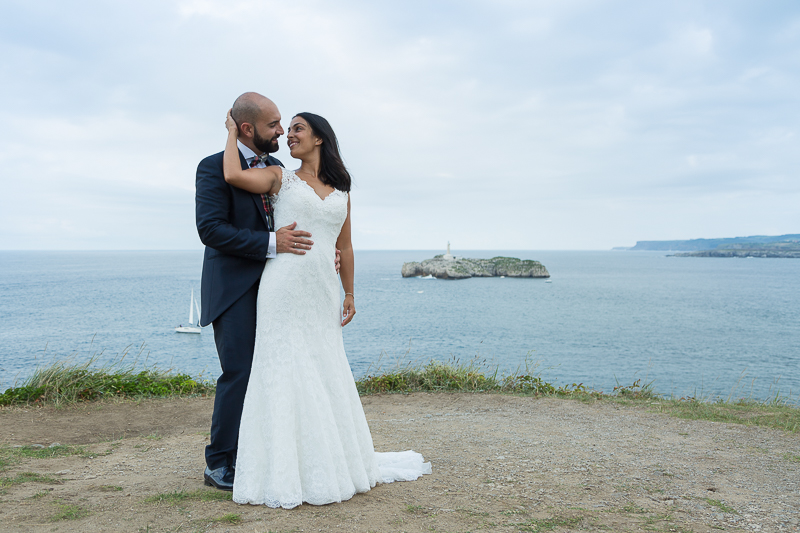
<point x="297" y="201"/>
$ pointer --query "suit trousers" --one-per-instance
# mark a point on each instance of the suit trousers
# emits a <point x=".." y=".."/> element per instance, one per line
<point x="235" y="337"/>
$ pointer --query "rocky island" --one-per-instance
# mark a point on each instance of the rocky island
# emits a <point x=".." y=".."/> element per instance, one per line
<point x="447" y="266"/>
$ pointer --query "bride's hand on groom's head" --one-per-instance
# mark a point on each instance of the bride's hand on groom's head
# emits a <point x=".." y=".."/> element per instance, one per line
<point x="230" y="123"/>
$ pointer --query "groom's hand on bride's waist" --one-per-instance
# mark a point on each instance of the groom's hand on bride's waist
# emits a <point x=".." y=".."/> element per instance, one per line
<point x="290" y="240"/>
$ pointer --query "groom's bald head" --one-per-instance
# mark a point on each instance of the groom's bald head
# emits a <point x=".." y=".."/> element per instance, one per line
<point x="249" y="107"/>
<point x="259" y="122"/>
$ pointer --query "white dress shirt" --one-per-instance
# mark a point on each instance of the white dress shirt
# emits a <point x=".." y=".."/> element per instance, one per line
<point x="249" y="155"/>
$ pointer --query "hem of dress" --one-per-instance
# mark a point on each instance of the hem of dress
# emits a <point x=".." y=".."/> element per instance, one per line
<point x="275" y="504"/>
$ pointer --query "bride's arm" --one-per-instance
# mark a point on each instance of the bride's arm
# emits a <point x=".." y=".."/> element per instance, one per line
<point x="257" y="180"/>
<point x="347" y="268"/>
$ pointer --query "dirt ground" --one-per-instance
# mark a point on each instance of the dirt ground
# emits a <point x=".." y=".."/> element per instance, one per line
<point x="500" y="463"/>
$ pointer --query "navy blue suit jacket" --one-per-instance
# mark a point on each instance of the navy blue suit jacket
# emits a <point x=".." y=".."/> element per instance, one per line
<point x="232" y="224"/>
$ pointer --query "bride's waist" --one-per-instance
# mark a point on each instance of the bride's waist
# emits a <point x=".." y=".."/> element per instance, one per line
<point x="317" y="258"/>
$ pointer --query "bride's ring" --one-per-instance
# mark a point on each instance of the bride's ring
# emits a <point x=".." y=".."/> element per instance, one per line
<point x="294" y="245"/>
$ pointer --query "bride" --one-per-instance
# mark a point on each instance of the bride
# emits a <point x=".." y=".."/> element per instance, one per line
<point x="303" y="435"/>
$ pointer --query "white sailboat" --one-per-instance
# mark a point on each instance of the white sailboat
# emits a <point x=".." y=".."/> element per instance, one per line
<point x="193" y="327"/>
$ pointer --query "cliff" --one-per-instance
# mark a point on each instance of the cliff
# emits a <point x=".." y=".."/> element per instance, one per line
<point x="696" y="245"/>
<point x="755" y="252"/>
<point x="462" y="268"/>
<point x="790" y="249"/>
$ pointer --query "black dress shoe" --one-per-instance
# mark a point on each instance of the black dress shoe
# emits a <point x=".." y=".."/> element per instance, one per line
<point x="221" y="478"/>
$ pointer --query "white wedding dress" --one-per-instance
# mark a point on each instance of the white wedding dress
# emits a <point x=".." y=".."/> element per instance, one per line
<point x="303" y="435"/>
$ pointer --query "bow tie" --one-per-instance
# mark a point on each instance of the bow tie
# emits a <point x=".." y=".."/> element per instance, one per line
<point x="259" y="159"/>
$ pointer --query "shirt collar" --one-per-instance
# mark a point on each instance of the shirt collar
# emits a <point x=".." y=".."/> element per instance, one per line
<point x="246" y="152"/>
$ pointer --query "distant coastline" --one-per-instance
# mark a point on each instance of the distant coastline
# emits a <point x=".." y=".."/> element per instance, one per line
<point x="754" y="252"/>
<point x="700" y="245"/>
<point x="782" y="246"/>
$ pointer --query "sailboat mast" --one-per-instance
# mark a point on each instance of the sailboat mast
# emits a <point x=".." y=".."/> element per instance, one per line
<point x="191" y="309"/>
<point x="197" y="308"/>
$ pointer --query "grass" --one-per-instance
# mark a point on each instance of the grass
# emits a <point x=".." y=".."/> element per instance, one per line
<point x="720" y="505"/>
<point x="67" y="382"/>
<point x="651" y="520"/>
<point x="182" y="496"/>
<point x="27" y="477"/>
<point x="35" y="452"/>
<point x="64" y="382"/>
<point x="69" y="512"/>
<point x="477" y="376"/>
<point x="50" y="452"/>
<point x="229" y="518"/>
<point x="633" y="508"/>
<point x="536" y="525"/>
<point x="10" y="456"/>
<point x="748" y="412"/>
<point x="474" y="376"/>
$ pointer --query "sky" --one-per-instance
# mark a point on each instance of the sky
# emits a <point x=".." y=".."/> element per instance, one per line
<point x="492" y="124"/>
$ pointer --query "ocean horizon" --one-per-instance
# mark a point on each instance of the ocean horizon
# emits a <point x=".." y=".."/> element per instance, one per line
<point x="701" y="327"/>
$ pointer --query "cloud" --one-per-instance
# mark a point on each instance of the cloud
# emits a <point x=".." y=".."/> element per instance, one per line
<point x="476" y="122"/>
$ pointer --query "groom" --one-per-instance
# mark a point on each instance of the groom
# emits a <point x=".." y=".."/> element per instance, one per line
<point x="238" y="230"/>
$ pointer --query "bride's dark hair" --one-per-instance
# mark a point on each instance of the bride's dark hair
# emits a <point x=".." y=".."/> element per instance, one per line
<point x="331" y="168"/>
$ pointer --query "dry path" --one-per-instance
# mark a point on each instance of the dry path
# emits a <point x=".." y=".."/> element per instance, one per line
<point x="500" y="463"/>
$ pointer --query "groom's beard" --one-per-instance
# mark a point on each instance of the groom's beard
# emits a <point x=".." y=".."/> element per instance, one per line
<point x="265" y="145"/>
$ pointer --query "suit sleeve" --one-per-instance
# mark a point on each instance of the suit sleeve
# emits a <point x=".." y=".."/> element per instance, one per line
<point x="212" y="212"/>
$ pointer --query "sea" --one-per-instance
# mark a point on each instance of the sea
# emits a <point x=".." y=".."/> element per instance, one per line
<point x="706" y="328"/>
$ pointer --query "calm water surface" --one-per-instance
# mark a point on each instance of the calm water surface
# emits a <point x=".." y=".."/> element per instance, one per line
<point x="696" y="326"/>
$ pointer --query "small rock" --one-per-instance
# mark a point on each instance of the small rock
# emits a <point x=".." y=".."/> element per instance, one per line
<point x="54" y="445"/>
